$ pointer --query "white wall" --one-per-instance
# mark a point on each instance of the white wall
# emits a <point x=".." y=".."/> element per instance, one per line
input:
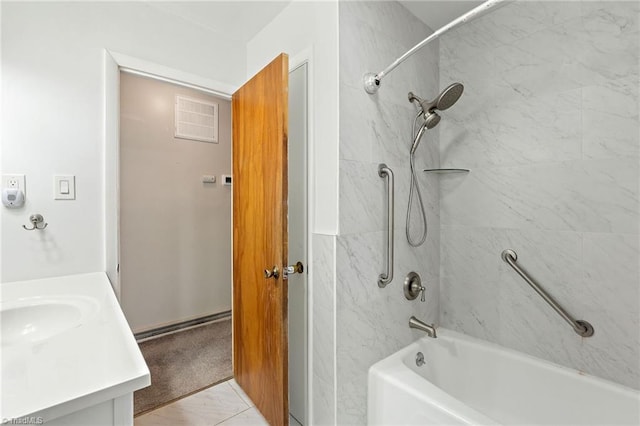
<point x="302" y="26"/>
<point x="52" y="115"/>
<point x="549" y="126"/>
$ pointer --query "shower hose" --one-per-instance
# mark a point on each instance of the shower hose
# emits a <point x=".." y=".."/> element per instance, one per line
<point x="415" y="187"/>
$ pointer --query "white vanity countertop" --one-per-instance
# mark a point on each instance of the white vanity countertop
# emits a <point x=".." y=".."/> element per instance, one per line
<point x="57" y="372"/>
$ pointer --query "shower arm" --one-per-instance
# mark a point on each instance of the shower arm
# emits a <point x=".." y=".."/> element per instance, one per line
<point x="372" y="81"/>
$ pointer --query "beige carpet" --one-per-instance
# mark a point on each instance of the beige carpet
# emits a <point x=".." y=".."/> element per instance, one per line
<point x="185" y="362"/>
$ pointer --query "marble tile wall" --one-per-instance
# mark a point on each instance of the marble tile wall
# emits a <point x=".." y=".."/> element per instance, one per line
<point x="373" y="322"/>
<point x="323" y="368"/>
<point x="549" y="126"/>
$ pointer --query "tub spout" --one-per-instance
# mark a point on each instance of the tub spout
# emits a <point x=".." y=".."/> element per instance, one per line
<point x="429" y="329"/>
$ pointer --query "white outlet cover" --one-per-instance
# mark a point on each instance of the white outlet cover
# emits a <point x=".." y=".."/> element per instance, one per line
<point x="21" y="182"/>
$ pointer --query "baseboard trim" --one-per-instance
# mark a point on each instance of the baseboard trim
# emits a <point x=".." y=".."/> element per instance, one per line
<point x="161" y="331"/>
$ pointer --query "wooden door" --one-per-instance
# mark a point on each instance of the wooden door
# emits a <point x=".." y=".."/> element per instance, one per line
<point x="260" y="342"/>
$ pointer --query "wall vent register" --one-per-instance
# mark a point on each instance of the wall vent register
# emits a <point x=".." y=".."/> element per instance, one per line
<point x="196" y="119"/>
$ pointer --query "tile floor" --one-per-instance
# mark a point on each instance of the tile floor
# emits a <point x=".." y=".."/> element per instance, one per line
<point x="224" y="404"/>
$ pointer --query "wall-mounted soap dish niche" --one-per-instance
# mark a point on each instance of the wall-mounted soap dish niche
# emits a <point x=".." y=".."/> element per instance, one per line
<point x="446" y="171"/>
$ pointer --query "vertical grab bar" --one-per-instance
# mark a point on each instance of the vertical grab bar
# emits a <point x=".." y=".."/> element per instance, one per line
<point x="581" y="327"/>
<point x="386" y="277"/>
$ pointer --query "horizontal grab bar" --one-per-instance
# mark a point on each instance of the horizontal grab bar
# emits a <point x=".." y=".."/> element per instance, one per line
<point x="581" y="327"/>
<point x="386" y="277"/>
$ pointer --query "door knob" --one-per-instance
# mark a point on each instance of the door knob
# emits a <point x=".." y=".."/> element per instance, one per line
<point x="272" y="273"/>
<point x="298" y="268"/>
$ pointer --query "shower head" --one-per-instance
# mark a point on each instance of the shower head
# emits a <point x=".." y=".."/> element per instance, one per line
<point x="449" y="96"/>
<point x="444" y="100"/>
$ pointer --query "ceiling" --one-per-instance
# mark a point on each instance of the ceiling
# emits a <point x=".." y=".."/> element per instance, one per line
<point x="241" y="20"/>
<point x="437" y="13"/>
<point x="236" y="20"/>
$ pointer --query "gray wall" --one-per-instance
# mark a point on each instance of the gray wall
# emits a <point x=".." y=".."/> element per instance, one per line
<point x="373" y="322"/>
<point x="549" y="126"/>
<point x="175" y="239"/>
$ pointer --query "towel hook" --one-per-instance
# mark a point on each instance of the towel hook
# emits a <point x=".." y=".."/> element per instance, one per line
<point x="35" y="219"/>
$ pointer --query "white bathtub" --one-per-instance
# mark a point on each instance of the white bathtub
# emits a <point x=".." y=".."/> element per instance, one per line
<point x="470" y="381"/>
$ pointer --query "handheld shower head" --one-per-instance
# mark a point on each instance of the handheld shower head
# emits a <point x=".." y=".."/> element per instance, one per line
<point x="431" y="119"/>
<point x="416" y="140"/>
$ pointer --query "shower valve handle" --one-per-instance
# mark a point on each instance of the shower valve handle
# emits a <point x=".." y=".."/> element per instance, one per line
<point x="418" y="288"/>
<point x="413" y="287"/>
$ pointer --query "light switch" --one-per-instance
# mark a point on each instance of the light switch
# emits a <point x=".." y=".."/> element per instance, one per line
<point x="64" y="187"/>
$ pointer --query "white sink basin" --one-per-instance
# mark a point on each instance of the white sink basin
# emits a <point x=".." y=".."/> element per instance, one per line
<point x="66" y="347"/>
<point x="34" y="319"/>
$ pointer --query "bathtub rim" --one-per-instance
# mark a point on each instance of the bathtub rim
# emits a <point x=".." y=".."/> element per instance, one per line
<point x="397" y="371"/>
<point x="451" y="335"/>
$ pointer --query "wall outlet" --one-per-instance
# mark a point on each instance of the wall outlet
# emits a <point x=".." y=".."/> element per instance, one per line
<point x="14" y="182"/>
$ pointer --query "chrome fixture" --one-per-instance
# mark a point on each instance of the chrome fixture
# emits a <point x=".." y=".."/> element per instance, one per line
<point x="445" y="171"/>
<point x="36" y="220"/>
<point x="582" y="327"/>
<point x="272" y="273"/>
<point x="444" y="100"/>
<point x="419" y="359"/>
<point x="419" y="325"/>
<point x="372" y="81"/>
<point x="298" y="268"/>
<point x="386" y="277"/>
<point x="413" y="287"/>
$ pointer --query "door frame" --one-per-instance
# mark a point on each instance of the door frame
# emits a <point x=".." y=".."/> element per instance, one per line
<point x="295" y="63"/>
<point x="306" y="57"/>
<point x="113" y="61"/>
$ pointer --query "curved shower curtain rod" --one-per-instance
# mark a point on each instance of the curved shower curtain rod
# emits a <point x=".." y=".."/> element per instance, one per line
<point x="372" y="81"/>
